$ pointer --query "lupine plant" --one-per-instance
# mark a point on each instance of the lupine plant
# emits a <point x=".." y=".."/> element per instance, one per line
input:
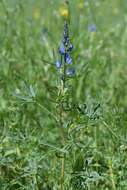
<point x="72" y="116"/>
<point x="63" y="65"/>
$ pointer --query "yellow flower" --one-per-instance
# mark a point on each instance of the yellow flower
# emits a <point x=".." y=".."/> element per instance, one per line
<point x="64" y="12"/>
<point x="36" y="13"/>
<point x="81" y="6"/>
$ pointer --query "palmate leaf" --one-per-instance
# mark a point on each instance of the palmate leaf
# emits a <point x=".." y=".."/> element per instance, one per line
<point x="27" y="99"/>
<point x="29" y="93"/>
<point x="32" y="92"/>
<point x="10" y="152"/>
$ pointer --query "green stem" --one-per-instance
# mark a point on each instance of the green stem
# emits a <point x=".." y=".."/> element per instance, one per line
<point x="45" y="109"/>
<point x="62" y="91"/>
<point x="62" y="172"/>
<point x="110" y="130"/>
<point x="112" y="175"/>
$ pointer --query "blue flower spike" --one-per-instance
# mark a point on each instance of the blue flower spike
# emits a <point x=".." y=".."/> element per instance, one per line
<point x="65" y="49"/>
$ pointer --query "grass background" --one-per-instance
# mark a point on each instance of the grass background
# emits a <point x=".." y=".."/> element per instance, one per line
<point x="30" y="142"/>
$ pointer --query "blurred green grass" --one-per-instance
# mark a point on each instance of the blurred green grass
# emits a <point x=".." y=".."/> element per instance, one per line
<point x="30" y="31"/>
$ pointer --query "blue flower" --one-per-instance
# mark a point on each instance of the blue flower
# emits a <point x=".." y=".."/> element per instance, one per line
<point x="70" y="72"/>
<point x="68" y="58"/>
<point x="62" y="49"/>
<point x="92" y="27"/>
<point x="70" y="47"/>
<point x="58" y="64"/>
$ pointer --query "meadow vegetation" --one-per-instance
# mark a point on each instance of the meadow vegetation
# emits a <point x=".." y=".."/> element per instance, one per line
<point x="63" y="130"/>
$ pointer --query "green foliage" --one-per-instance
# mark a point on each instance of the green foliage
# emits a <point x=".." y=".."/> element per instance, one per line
<point x="76" y="139"/>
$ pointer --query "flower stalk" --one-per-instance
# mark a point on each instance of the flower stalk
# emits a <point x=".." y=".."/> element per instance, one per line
<point x="63" y="64"/>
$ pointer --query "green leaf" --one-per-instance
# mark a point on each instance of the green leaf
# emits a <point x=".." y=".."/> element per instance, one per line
<point x="79" y="163"/>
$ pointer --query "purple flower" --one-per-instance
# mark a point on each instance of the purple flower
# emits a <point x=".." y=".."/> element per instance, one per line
<point x="58" y="64"/>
